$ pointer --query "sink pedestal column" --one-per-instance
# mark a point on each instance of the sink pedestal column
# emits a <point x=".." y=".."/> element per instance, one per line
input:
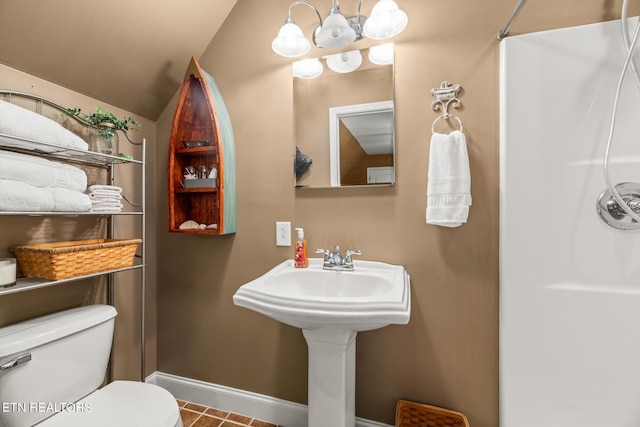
<point x="332" y="377"/>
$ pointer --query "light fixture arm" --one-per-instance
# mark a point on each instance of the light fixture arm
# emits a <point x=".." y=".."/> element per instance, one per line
<point x="356" y="22"/>
<point x="338" y="31"/>
<point x="336" y="7"/>
<point x="359" y="7"/>
<point x="297" y="2"/>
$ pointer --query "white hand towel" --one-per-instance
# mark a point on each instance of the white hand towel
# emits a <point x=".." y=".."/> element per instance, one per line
<point x="449" y="184"/>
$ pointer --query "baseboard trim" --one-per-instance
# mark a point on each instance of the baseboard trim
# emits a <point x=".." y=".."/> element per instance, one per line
<point x="265" y="408"/>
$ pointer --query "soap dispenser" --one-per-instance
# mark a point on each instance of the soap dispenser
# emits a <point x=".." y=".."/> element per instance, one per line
<point x="300" y="258"/>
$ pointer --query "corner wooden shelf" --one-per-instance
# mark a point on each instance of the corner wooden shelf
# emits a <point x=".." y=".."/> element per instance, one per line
<point x="197" y="151"/>
<point x="197" y="190"/>
<point x="201" y="135"/>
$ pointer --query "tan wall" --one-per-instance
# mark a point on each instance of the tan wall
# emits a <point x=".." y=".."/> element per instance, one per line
<point x="448" y="354"/>
<point x="15" y="230"/>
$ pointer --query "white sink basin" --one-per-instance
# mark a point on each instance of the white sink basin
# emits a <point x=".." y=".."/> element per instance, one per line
<point x="374" y="295"/>
<point x="331" y="307"/>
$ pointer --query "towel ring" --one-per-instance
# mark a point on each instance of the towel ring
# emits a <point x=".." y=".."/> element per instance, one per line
<point x="446" y="117"/>
<point x="446" y="95"/>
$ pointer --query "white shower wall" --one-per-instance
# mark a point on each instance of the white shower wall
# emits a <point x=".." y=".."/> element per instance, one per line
<point x="569" y="283"/>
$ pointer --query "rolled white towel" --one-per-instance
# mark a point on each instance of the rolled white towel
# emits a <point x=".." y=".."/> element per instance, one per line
<point x="41" y="172"/>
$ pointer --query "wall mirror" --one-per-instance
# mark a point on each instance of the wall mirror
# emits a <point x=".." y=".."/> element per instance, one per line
<point x="344" y="122"/>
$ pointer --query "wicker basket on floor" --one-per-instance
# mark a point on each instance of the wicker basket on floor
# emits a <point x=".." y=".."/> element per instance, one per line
<point x="62" y="260"/>
<point x="411" y="414"/>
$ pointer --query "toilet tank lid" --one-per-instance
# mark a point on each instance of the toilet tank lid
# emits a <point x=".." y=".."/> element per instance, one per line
<point x="32" y="333"/>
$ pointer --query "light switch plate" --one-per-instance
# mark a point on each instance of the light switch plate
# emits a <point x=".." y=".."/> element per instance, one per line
<point x="283" y="233"/>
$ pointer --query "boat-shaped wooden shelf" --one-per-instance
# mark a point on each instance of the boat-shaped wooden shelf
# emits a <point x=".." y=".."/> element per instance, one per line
<point x="201" y="136"/>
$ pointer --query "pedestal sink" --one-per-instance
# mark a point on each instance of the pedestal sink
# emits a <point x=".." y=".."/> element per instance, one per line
<point x="331" y="307"/>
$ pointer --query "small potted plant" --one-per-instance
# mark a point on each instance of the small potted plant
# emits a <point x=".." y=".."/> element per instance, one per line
<point x="105" y="139"/>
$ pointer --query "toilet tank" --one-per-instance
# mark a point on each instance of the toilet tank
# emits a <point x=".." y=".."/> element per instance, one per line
<point x="62" y="357"/>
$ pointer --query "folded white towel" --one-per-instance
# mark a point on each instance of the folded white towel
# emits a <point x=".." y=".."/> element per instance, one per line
<point x="104" y="195"/>
<point x="22" y="123"/>
<point x="69" y="201"/>
<point x="113" y="203"/>
<point x="97" y="202"/>
<point x="104" y="188"/>
<point x="449" y="184"/>
<point x="17" y="196"/>
<point x="113" y="196"/>
<point x="106" y="209"/>
<point x="41" y="172"/>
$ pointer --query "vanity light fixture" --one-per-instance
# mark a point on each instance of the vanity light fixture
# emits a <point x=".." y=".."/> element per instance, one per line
<point x="382" y="54"/>
<point x="309" y="68"/>
<point x="344" y="62"/>
<point x="387" y="20"/>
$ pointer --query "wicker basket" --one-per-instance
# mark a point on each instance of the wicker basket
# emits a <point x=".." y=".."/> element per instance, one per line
<point x="62" y="260"/>
<point x="410" y="414"/>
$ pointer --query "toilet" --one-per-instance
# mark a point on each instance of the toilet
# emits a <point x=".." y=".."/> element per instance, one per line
<point x="51" y="369"/>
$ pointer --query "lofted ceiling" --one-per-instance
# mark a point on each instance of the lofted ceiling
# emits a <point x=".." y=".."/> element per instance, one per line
<point x="128" y="53"/>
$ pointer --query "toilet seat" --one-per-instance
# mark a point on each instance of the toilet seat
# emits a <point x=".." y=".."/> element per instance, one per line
<point x="121" y="404"/>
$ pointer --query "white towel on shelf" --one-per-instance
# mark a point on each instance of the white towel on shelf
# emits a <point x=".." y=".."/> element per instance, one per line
<point x="106" y="202"/>
<point x="105" y="198"/>
<point x="17" y="196"/>
<point x="98" y="195"/>
<point x="99" y="208"/>
<point x="19" y="122"/>
<point x="449" y="184"/>
<point x="105" y="188"/>
<point x="40" y="172"/>
<point x="69" y="201"/>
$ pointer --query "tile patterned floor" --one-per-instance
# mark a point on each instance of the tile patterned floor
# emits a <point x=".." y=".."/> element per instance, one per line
<point x="194" y="415"/>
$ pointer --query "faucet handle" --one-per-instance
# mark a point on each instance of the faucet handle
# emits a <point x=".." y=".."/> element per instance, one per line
<point x="326" y="252"/>
<point x="347" y="255"/>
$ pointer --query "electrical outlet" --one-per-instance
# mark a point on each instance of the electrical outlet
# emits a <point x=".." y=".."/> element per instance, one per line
<point x="283" y="233"/>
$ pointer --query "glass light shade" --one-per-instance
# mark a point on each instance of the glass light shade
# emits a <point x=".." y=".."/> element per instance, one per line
<point x="290" y="41"/>
<point x="381" y="55"/>
<point x="307" y="68"/>
<point x="386" y="21"/>
<point x="335" y="32"/>
<point x="344" y="62"/>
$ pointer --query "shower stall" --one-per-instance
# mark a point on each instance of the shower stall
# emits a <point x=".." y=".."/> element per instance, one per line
<point x="569" y="282"/>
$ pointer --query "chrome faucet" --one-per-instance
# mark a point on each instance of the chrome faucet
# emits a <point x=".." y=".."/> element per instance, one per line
<point x="335" y="261"/>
